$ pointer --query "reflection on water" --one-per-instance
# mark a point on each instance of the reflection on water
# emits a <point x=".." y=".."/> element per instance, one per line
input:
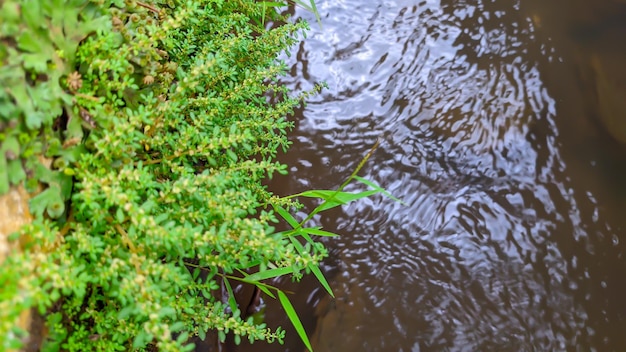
<point x="512" y="239"/>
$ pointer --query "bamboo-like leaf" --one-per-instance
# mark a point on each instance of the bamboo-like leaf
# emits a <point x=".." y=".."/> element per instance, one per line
<point x="293" y="317"/>
<point x="318" y="232"/>
<point x="287" y="233"/>
<point x="378" y="188"/>
<point x="269" y="4"/>
<point x="344" y="197"/>
<point x="315" y="268"/>
<point x="285" y="215"/>
<point x="322" y="279"/>
<point x="297" y="245"/>
<point x="339" y="198"/>
<point x="266" y="291"/>
<point x="302" y="4"/>
<point x="268" y="274"/>
<point x="273" y="4"/>
<point x="231" y="296"/>
<point x="251" y="264"/>
<point x="312" y="8"/>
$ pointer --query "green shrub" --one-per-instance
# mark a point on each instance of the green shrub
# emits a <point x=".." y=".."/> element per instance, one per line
<point x="162" y="120"/>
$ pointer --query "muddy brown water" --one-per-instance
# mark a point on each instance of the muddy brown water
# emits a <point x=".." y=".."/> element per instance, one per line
<point x="513" y="238"/>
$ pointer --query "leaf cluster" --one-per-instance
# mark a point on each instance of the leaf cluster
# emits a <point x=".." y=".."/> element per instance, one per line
<point x="161" y="119"/>
<point x="149" y="127"/>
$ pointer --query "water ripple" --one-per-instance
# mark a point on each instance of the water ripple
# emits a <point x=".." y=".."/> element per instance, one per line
<point x="487" y="253"/>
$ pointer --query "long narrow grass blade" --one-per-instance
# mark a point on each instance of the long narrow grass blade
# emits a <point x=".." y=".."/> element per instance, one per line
<point x="346" y="182"/>
<point x="297" y="245"/>
<point x="269" y="4"/>
<point x="286" y="233"/>
<point x="273" y="4"/>
<point x="378" y="188"/>
<point x="313" y="267"/>
<point x="263" y="15"/>
<point x="264" y="287"/>
<point x="341" y="198"/>
<point x="269" y="274"/>
<point x="266" y="291"/>
<point x="303" y="5"/>
<point x="311" y="8"/>
<point x="318" y="232"/>
<point x="322" y="279"/>
<point x="317" y="14"/>
<point x="345" y="197"/>
<point x="251" y="264"/>
<point x="287" y="216"/>
<point x="231" y="296"/>
<point x="293" y="317"/>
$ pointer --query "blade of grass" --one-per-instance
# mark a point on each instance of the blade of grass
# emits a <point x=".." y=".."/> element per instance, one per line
<point x="334" y="199"/>
<point x="313" y="267"/>
<point x="268" y="4"/>
<point x="316" y="270"/>
<point x="322" y="279"/>
<point x="378" y="188"/>
<point x="311" y="8"/>
<point x="269" y="274"/>
<point x="318" y="232"/>
<point x="293" y="317"/>
<point x="231" y="296"/>
<point x="297" y="245"/>
<point x="264" y="287"/>
<point x="266" y="291"/>
<point x="343" y="185"/>
<point x="287" y="216"/>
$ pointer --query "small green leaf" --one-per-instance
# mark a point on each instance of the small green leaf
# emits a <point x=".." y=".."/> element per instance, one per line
<point x="28" y="42"/>
<point x="202" y="334"/>
<point x="231" y="155"/>
<point x="11" y="148"/>
<point x="184" y="336"/>
<point x="126" y="312"/>
<point x="16" y="172"/>
<point x="55" y="210"/>
<point x="50" y="197"/>
<point x="141" y="339"/>
<point x="177" y="326"/>
<point x="119" y="215"/>
<point x="32" y="14"/>
<point x="4" y="175"/>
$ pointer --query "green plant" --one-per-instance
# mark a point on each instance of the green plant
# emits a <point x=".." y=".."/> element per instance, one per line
<point x="271" y="6"/>
<point x="162" y="119"/>
<point x="329" y="199"/>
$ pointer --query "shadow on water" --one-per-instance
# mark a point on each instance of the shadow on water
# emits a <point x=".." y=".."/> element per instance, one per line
<point x="513" y="237"/>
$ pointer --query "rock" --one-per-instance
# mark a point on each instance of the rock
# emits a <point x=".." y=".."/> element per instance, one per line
<point x="14" y="213"/>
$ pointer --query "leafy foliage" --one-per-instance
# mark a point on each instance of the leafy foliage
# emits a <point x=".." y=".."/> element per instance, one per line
<point x="162" y="119"/>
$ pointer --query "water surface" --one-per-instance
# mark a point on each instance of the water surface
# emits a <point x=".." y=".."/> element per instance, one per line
<point x="487" y="112"/>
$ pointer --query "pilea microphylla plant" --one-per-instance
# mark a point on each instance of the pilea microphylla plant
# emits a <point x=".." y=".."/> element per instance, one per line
<point x="144" y="130"/>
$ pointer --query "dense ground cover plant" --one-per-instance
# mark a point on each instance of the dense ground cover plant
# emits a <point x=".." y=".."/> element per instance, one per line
<point x="149" y="126"/>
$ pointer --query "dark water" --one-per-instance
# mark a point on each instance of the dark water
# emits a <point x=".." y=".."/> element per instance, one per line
<point x="513" y="236"/>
